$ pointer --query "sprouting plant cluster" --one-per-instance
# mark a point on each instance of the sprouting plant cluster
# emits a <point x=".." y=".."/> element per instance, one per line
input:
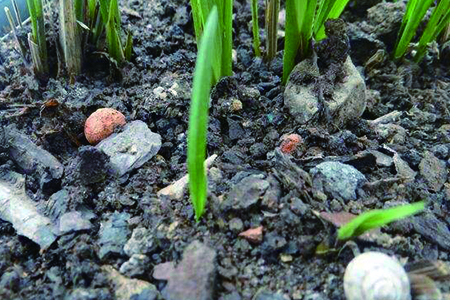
<point x="305" y="22"/>
<point x="82" y="24"/>
<point x="414" y="15"/>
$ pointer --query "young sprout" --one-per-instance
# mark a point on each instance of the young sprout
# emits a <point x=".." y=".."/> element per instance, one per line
<point x="305" y="20"/>
<point x="377" y="218"/>
<point x="255" y="28"/>
<point x="201" y="9"/>
<point x="205" y="68"/>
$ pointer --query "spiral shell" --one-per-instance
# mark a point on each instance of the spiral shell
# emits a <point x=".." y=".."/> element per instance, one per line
<point x="376" y="276"/>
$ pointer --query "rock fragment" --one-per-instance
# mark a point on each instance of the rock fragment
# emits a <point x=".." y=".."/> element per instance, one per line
<point x="247" y="192"/>
<point x="348" y="100"/>
<point x="254" y="235"/>
<point x="113" y="235"/>
<point x="434" y="171"/>
<point x="129" y="289"/>
<point x="337" y="180"/>
<point x="18" y="209"/>
<point x="131" y="148"/>
<point x="193" y="278"/>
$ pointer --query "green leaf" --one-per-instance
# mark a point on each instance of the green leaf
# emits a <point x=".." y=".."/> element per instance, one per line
<point x="38" y="35"/>
<point x="415" y="11"/>
<point x="255" y="28"/>
<point x="112" y="34"/>
<point x="440" y="17"/>
<point x="377" y="218"/>
<point x="198" y="115"/>
<point x="128" y="51"/>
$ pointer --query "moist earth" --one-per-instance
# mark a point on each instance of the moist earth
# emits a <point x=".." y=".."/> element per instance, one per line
<point x="124" y="237"/>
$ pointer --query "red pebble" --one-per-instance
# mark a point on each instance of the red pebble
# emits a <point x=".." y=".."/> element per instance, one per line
<point x="254" y="235"/>
<point x="102" y="123"/>
<point x="290" y="143"/>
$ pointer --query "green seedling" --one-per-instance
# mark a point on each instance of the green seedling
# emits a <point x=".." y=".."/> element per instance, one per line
<point x="255" y="28"/>
<point x="37" y="41"/>
<point x="113" y="32"/>
<point x="415" y="12"/>
<point x="201" y="9"/>
<point x="305" y="21"/>
<point x="377" y="218"/>
<point x="205" y="68"/>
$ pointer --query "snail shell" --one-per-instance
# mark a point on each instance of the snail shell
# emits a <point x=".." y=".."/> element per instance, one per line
<point x="376" y="276"/>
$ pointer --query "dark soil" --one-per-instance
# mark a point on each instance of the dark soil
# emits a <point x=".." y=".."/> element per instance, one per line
<point x="155" y="88"/>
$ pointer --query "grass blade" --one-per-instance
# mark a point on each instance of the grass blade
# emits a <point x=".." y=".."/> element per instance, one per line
<point x="255" y="27"/>
<point x="272" y="10"/>
<point x="227" y="38"/>
<point x="198" y="115"/>
<point x="377" y="218"/>
<point x="128" y="50"/>
<point x="440" y="17"/>
<point x="415" y="11"/>
<point x="295" y="14"/>
<point x="38" y="36"/>
<point x="115" y="49"/>
<point x="198" y="19"/>
<point x="335" y="12"/>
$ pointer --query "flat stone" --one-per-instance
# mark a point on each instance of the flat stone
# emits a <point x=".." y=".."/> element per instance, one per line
<point x="433" y="229"/>
<point x="247" y="192"/>
<point x="131" y="148"/>
<point x="193" y="278"/>
<point x="18" y="209"/>
<point x="433" y="171"/>
<point x="337" y="179"/>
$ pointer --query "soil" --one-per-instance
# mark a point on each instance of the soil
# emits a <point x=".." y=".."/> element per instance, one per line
<point x="248" y="122"/>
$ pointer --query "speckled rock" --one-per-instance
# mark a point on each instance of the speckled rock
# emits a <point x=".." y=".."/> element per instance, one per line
<point x="131" y="148"/>
<point x="337" y="179"/>
<point x="348" y="99"/>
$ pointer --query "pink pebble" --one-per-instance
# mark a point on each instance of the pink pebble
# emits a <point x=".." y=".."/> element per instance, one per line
<point x="102" y="123"/>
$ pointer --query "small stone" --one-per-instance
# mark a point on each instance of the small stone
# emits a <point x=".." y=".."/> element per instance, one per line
<point x="286" y="258"/>
<point x="193" y="277"/>
<point x="337" y="179"/>
<point x="131" y="148"/>
<point x="126" y="288"/>
<point x="236" y="105"/>
<point x="113" y="235"/>
<point x="246" y="193"/>
<point x="236" y="225"/>
<point x="137" y="265"/>
<point x="160" y="93"/>
<point x="265" y="295"/>
<point x="254" y="235"/>
<point x="141" y="242"/>
<point x="102" y="123"/>
<point x="440" y="151"/>
<point x="290" y="143"/>
<point x="73" y="221"/>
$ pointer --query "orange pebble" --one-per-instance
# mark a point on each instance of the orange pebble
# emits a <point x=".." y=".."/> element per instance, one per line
<point x="290" y="143"/>
<point x="102" y="123"/>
